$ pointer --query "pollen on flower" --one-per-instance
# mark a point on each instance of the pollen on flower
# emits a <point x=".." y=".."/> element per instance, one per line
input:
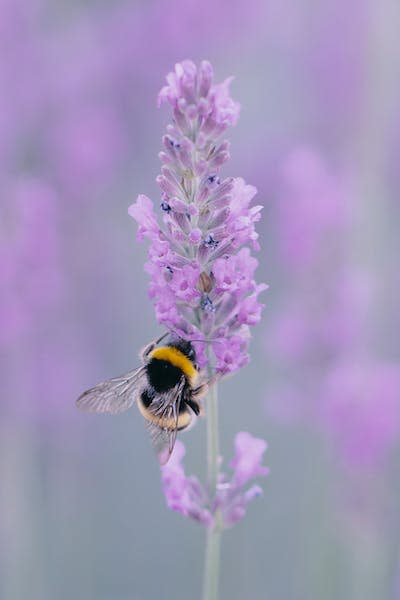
<point x="165" y="207"/>
<point x="201" y="269"/>
<point x="206" y="303"/>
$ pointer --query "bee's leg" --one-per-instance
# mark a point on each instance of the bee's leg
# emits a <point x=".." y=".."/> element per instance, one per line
<point x="147" y="349"/>
<point x="201" y="390"/>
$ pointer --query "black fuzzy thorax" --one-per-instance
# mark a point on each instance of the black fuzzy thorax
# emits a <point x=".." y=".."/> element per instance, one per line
<point x="162" y="375"/>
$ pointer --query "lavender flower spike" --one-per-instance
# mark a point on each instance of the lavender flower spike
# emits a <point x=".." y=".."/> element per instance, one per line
<point x="201" y="269"/>
<point x="202" y="285"/>
<point x="187" y="496"/>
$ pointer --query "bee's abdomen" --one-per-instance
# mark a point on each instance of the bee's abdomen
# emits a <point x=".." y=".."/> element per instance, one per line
<point x="185" y="417"/>
<point x="162" y="375"/>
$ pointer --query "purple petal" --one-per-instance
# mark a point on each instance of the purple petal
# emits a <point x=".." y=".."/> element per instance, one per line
<point x="249" y="453"/>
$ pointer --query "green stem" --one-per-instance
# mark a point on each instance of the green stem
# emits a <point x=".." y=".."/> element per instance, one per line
<point x="212" y="552"/>
<point x="211" y="566"/>
<point x="212" y="439"/>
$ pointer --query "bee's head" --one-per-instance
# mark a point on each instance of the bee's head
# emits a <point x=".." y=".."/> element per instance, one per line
<point x="184" y="346"/>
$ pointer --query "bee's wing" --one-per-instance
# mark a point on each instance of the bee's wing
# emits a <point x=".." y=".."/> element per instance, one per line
<point x="115" y="395"/>
<point x="163" y="431"/>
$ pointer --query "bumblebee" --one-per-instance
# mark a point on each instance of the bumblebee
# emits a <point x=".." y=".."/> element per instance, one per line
<point x="167" y="389"/>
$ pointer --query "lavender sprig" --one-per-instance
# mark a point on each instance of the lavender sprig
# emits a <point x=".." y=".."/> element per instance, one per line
<point x="202" y="275"/>
<point x="202" y="284"/>
<point x="187" y="496"/>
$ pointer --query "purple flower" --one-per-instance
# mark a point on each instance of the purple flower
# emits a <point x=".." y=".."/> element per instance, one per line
<point x="246" y="463"/>
<point x="324" y="313"/>
<point x="325" y="318"/>
<point x="230" y="354"/>
<point x="144" y="214"/>
<point x="187" y="496"/>
<point x="184" y="494"/>
<point x="201" y="270"/>
<point x="190" y="93"/>
<point x="85" y="146"/>
<point x="360" y="411"/>
<point x="30" y="264"/>
<point x="318" y="341"/>
<point x="311" y="209"/>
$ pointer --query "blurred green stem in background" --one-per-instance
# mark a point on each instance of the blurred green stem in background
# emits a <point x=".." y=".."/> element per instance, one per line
<point x="212" y="553"/>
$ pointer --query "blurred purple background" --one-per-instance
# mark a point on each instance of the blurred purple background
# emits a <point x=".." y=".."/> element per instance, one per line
<point x="81" y="510"/>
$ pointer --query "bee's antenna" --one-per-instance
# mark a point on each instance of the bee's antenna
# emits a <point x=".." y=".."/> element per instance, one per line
<point x="207" y="341"/>
<point x="204" y="341"/>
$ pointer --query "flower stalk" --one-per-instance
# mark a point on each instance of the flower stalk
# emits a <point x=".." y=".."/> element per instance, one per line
<point x="212" y="436"/>
<point x="212" y="563"/>
<point x="213" y="542"/>
<point x="203" y="288"/>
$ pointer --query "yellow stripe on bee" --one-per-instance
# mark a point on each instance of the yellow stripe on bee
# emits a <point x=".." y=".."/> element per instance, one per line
<point x="178" y="359"/>
<point x="184" y="419"/>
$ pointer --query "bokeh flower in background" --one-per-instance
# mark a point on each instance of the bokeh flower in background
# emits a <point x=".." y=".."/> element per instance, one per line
<point x="37" y="383"/>
<point x="360" y="408"/>
<point x="311" y="207"/>
<point x="328" y="374"/>
<point x="322" y="334"/>
<point x="30" y="259"/>
<point x="316" y="319"/>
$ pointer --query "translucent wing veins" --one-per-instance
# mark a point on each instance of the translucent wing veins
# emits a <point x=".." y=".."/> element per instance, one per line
<point x="115" y="395"/>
